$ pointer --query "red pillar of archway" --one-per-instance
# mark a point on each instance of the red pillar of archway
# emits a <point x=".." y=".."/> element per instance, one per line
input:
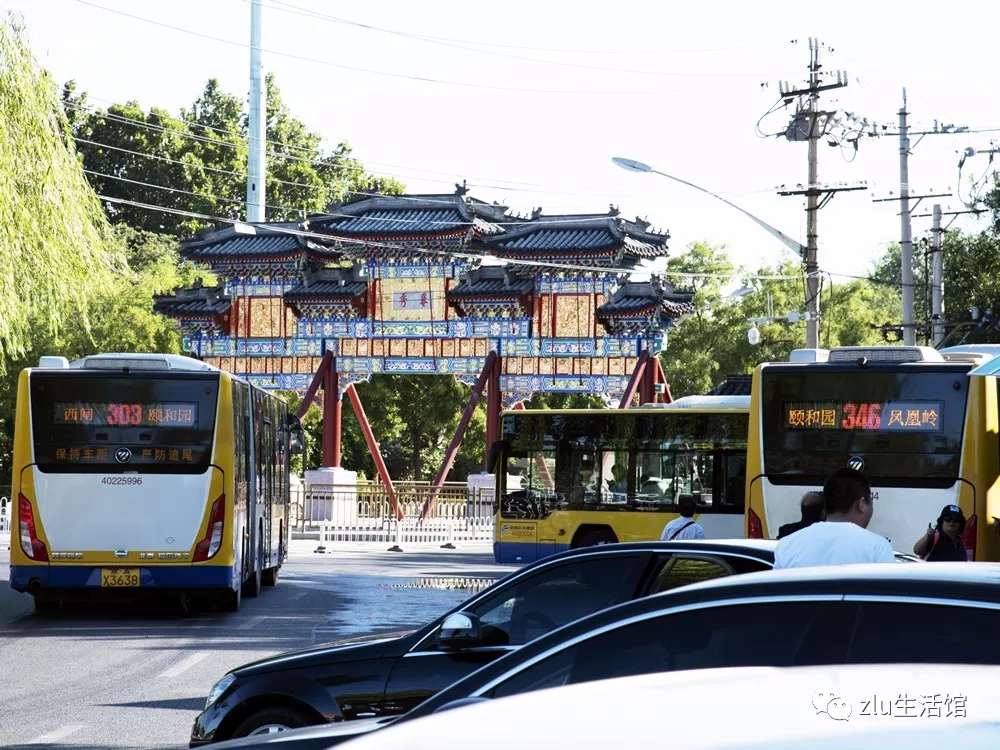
<point x="493" y="401"/>
<point x="332" y="408"/>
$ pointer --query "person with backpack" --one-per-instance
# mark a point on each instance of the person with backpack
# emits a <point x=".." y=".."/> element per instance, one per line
<point x="684" y="526"/>
<point x="944" y="541"/>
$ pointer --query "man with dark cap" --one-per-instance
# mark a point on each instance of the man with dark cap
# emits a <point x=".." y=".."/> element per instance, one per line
<point x="812" y="511"/>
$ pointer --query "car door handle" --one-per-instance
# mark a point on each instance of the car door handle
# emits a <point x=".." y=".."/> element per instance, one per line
<point x="366" y="715"/>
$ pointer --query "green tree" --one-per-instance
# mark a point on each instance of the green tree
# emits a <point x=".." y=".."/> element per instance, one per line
<point x="202" y="156"/>
<point x="56" y="247"/>
<point x="971" y="276"/>
<point x="414" y="418"/>
<point x="688" y="361"/>
<point x="712" y="343"/>
<point x="564" y="401"/>
<point x="121" y="318"/>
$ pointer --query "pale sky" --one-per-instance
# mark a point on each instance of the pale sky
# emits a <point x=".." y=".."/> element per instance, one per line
<point x="673" y="84"/>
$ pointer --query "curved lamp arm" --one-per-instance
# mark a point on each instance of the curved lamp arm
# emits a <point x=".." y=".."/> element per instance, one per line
<point x="638" y="166"/>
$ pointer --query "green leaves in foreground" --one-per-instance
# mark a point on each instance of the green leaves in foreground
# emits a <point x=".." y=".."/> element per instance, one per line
<point x="56" y="247"/>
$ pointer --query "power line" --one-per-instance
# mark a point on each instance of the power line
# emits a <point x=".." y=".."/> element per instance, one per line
<point x="445" y="253"/>
<point x="513" y="186"/>
<point x="334" y="214"/>
<point x="370" y="71"/>
<point x="234" y="173"/>
<point x="114" y="117"/>
<point x="463" y="45"/>
<point x="479" y="43"/>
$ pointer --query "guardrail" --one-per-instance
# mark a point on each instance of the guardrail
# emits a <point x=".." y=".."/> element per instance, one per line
<point x="363" y="513"/>
<point x="368" y="504"/>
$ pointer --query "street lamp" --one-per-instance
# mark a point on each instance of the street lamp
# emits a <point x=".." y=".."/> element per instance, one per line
<point x="637" y="166"/>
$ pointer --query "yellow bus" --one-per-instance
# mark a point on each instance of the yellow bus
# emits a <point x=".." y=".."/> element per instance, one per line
<point x="911" y="419"/>
<point x="576" y="478"/>
<point x="136" y="473"/>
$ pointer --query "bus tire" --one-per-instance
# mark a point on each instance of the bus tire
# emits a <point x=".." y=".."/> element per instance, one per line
<point x="593" y="537"/>
<point x="230" y="600"/>
<point x="270" y="576"/>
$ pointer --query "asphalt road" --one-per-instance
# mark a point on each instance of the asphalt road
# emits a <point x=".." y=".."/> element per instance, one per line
<point x="134" y="676"/>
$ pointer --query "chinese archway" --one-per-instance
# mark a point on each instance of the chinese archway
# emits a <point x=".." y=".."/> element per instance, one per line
<point x="430" y="284"/>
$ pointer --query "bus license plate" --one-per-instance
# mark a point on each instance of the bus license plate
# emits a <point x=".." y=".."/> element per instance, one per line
<point x="119" y="577"/>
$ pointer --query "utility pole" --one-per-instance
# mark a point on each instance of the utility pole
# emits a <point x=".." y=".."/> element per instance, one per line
<point x="905" y="213"/>
<point x="906" y="236"/>
<point x="256" y="156"/>
<point x="810" y="124"/>
<point x="937" y="279"/>
<point x="812" y="206"/>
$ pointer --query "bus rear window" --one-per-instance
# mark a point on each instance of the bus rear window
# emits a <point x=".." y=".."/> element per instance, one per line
<point x="85" y="422"/>
<point x="905" y="424"/>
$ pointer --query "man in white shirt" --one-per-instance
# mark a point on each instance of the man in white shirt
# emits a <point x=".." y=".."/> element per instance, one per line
<point x="843" y="538"/>
<point x="684" y="526"/>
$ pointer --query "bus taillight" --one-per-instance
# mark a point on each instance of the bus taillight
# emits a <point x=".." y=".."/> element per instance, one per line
<point x="209" y="546"/>
<point x="754" y="529"/>
<point x="30" y="542"/>
<point x="969" y="538"/>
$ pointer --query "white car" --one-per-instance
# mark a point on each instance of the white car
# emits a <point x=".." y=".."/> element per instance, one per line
<point x="853" y="707"/>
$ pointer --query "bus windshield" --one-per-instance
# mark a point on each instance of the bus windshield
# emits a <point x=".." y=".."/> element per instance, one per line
<point x="624" y="460"/>
<point x="99" y="423"/>
<point x="905" y="424"/>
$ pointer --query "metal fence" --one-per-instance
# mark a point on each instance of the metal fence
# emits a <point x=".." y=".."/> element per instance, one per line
<point x="363" y="513"/>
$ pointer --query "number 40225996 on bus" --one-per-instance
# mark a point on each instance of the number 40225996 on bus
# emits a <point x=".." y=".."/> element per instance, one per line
<point x="135" y="473"/>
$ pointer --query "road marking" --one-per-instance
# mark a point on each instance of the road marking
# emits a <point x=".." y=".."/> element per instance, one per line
<point x="185" y="665"/>
<point x="297" y="596"/>
<point x="57" y="735"/>
<point x="253" y="621"/>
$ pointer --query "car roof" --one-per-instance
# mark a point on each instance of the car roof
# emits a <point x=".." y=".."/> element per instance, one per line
<point x="954" y="573"/>
<point x="732" y="708"/>
<point x="761" y="547"/>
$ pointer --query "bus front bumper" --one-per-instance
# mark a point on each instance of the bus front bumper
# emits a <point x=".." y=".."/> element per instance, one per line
<point x="35" y="578"/>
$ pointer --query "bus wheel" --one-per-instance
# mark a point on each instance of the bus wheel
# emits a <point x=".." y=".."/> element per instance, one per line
<point x="270" y="577"/>
<point x="230" y="600"/>
<point x="594" y="537"/>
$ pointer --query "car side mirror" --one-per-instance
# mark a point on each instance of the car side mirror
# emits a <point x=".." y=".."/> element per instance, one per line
<point x="460" y="630"/>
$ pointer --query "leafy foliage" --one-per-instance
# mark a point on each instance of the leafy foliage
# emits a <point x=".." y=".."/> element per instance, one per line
<point x="971" y="279"/>
<point x="121" y="316"/>
<point x="414" y="418"/>
<point x="712" y="343"/>
<point x="56" y="247"/>
<point x="202" y="155"/>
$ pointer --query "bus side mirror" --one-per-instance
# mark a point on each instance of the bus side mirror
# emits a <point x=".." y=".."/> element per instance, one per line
<point x="496" y="450"/>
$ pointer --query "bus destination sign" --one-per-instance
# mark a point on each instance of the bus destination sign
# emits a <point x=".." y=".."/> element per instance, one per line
<point x="877" y="416"/>
<point x="115" y="414"/>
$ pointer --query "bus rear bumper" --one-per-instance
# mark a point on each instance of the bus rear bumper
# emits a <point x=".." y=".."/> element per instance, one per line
<point x="525" y="552"/>
<point x="35" y="578"/>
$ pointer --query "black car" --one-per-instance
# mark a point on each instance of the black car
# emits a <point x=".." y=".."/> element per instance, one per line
<point x="945" y="613"/>
<point x="389" y="675"/>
